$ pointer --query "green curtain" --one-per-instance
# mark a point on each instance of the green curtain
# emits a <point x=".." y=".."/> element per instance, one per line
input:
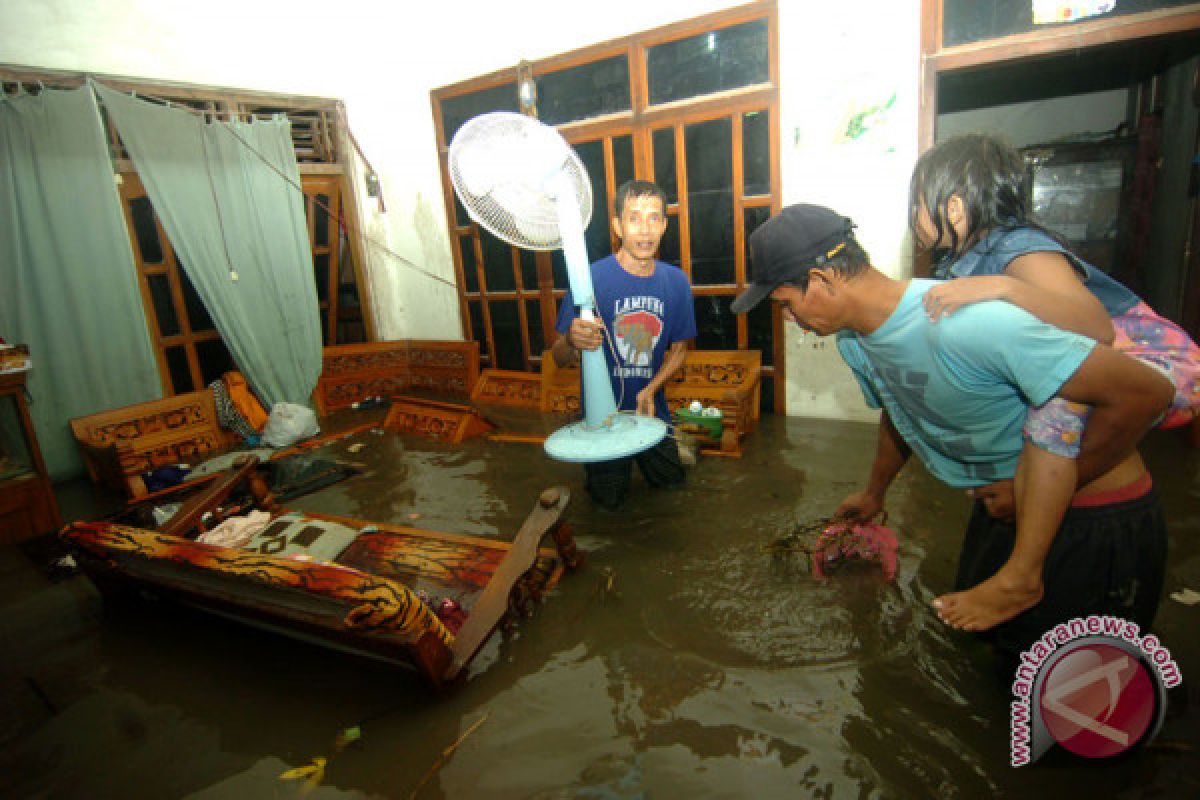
<point x="238" y="228"/>
<point x="68" y="286"/>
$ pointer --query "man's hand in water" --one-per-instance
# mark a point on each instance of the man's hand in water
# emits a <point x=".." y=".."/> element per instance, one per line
<point x="859" y="507"/>
<point x="998" y="499"/>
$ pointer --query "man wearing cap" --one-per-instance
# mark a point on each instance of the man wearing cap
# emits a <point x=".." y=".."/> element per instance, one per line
<point x="645" y="318"/>
<point x="957" y="392"/>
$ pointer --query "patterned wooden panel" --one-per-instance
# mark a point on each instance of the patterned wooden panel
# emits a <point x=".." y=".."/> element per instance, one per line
<point x="376" y="606"/>
<point x="406" y="558"/>
<point x="727" y="379"/>
<point x="190" y="410"/>
<point x="354" y="372"/>
<point x="560" y="387"/>
<point x="148" y="452"/>
<point x="445" y="422"/>
<point x="506" y="387"/>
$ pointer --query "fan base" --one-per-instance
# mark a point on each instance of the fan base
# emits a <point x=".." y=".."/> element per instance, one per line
<point x="627" y="435"/>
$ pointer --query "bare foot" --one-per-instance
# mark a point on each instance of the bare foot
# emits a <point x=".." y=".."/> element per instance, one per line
<point x="998" y="599"/>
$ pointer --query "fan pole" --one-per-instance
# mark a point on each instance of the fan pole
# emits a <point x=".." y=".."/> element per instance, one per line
<point x="599" y="405"/>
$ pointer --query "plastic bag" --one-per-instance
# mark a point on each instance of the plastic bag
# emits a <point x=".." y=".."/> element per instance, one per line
<point x="288" y="423"/>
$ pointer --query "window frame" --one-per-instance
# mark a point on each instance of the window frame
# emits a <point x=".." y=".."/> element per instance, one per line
<point x="640" y="121"/>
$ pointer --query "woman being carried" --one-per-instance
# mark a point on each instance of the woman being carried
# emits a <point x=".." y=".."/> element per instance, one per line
<point x="969" y="200"/>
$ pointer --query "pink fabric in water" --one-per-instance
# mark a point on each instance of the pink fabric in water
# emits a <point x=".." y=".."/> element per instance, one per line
<point x="863" y="541"/>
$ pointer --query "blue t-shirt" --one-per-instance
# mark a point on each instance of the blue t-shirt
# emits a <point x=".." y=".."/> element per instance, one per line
<point x="958" y="390"/>
<point x="992" y="254"/>
<point x="644" y="316"/>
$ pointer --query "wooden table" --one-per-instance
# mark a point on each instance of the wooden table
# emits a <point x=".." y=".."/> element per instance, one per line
<point x="27" y="504"/>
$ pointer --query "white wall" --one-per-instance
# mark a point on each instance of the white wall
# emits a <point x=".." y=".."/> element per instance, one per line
<point x="842" y="64"/>
<point x="383" y="60"/>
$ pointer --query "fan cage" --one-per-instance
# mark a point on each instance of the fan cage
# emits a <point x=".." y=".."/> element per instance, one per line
<point x="503" y="167"/>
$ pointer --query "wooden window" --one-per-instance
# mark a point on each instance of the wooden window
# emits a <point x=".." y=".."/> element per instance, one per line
<point x="190" y="351"/>
<point x="692" y="106"/>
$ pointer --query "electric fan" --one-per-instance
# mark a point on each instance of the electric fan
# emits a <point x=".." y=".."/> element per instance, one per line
<point x="520" y="180"/>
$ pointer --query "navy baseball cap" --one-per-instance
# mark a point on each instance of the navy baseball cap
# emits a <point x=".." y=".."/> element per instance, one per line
<point x="784" y="248"/>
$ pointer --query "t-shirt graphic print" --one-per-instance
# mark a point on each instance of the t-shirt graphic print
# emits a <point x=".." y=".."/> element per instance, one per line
<point x="637" y="333"/>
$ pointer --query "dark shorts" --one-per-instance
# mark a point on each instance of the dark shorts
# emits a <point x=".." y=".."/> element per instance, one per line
<point x="1104" y="560"/>
<point x="608" y="481"/>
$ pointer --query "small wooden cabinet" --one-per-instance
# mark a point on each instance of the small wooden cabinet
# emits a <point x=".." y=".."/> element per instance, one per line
<point x="27" y="504"/>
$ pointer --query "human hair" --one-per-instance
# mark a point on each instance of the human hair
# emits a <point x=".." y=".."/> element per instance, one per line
<point x="849" y="260"/>
<point x="989" y="177"/>
<point x="637" y="188"/>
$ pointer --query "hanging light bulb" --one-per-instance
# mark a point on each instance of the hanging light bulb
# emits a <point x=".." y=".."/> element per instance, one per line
<point x="526" y="89"/>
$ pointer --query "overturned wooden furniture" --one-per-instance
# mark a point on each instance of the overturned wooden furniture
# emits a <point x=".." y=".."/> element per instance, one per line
<point x="727" y="379"/>
<point x="119" y="445"/>
<point x="351" y="373"/>
<point x="452" y="423"/>
<point x="369" y="598"/>
<point x="507" y="387"/>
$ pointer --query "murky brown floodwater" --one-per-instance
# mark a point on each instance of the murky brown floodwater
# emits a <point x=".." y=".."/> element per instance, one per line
<point x="713" y="668"/>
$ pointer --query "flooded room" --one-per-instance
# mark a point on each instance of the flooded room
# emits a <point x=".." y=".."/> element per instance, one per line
<point x="679" y="400"/>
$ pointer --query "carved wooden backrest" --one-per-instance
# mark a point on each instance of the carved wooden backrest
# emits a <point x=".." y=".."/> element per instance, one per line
<point x="354" y="372"/>
<point x="729" y="379"/>
<point x="190" y="411"/>
<point x="506" y="387"/>
<point x="139" y="437"/>
<point x="560" y="387"/>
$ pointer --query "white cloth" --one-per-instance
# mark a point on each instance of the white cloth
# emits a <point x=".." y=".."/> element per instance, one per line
<point x="236" y="531"/>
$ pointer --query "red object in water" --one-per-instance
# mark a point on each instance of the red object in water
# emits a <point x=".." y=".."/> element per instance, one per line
<point x="866" y="541"/>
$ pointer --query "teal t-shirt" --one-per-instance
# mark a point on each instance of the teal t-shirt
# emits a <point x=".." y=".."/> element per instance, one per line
<point x="958" y="390"/>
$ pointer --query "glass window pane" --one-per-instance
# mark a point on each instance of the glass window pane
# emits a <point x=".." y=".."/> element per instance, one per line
<point x="710" y="215"/>
<point x="321" y="224"/>
<point x="971" y="21"/>
<point x="716" y="325"/>
<point x="470" y="275"/>
<point x="214" y="359"/>
<point x="177" y="367"/>
<point x="664" y="163"/>
<point x="506" y="328"/>
<point x="708" y="148"/>
<point x="164" y="306"/>
<point x="537" y="337"/>
<point x="145" y="230"/>
<point x="597" y="234"/>
<point x="753" y="218"/>
<point x="622" y="147"/>
<point x="710" y="62"/>
<point x="668" y="248"/>
<point x="758" y="321"/>
<point x="197" y="314"/>
<point x="529" y="279"/>
<point x="497" y="264"/>
<point x="558" y="268"/>
<point x="477" y="333"/>
<point x="321" y="275"/>
<point x="457" y="110"/>
<point x="588" y="90"/>
<point x="756" y="152"/>
<point x="461" y="217"/>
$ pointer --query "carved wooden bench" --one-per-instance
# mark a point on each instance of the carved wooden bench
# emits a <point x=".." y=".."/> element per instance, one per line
<point x="353" y="372"/>
<point x="118" y="446"/>
<point x="726" y="379"/>
<point x="507" y="387"/>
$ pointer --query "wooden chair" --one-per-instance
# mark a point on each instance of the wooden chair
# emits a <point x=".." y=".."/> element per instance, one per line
<point x="121" y="444"/>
